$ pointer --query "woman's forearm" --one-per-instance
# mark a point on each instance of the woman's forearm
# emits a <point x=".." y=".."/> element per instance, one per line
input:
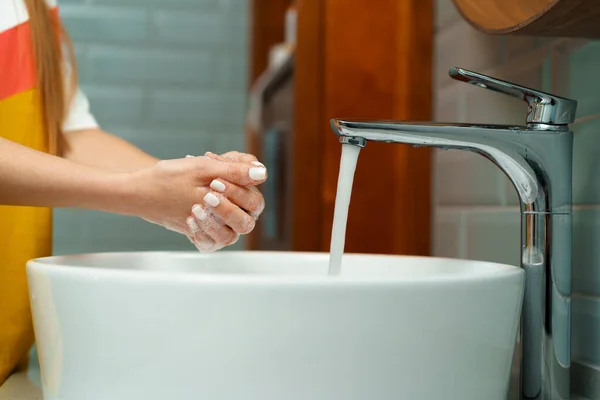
<point x="32" y="178"/>
<point x="100" y="149"/>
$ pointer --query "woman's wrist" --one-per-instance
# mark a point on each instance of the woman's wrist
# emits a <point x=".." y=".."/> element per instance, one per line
<point x="109" y="191"/>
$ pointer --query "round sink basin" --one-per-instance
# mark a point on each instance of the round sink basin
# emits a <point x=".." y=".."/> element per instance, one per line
<point x="273" y="326"/>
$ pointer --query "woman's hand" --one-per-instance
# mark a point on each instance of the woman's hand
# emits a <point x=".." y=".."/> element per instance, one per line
<point x="227" y="210"/>
<point x="235" y="156"/>
<point x="225" y="213"/>
<point x="166" y="193"/>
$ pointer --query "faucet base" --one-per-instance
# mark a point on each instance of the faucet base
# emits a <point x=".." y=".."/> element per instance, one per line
<point x="546" y="315"/>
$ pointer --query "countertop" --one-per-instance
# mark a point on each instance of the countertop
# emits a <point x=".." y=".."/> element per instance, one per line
<point x="21" y="387"/>
<point x="26" y="385"/>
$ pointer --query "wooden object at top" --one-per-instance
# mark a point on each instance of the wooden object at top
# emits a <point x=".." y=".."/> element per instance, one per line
<point x="557" y="18"/>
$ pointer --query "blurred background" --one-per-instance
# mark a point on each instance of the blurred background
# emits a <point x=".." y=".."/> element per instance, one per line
<point x="180" y="77"/>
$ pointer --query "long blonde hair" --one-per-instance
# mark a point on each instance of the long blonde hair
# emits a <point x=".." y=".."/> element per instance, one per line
<point x="53" y="53"/>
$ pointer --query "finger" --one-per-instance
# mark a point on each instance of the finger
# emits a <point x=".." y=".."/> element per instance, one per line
<point x="238" y="173"/>
<point x="202" y="246"/>
<point x="239" y="157"/>
<point x="201" y="240"/>
<point x="236" y="156"/>
<point x="258" y="212"/>
<point x="214" y="156"/>
<point x="214" y="227"/>
<point x="248" y="198"/>
<point x="232" y="215"/>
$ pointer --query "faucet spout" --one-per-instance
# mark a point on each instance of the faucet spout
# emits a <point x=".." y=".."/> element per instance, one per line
<point x="511" y="148"/>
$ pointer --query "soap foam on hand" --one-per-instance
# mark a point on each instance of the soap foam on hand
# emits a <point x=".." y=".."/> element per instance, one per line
<point x="208" y="220"/>
<point x="342" y="204"/>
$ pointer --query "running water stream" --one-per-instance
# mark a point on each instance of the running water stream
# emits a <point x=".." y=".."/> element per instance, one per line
<point x="342" y="203"/>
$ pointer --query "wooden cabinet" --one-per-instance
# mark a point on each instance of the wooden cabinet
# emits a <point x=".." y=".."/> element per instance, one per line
<point x="353" y="59"/>
<point x="275" y="147"/>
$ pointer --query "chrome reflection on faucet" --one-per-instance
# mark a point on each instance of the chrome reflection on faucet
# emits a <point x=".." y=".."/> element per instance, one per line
<point x="537" y="158"/>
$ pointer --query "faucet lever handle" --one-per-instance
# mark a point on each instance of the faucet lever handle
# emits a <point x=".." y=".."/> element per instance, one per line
<point x="544" y="108"/>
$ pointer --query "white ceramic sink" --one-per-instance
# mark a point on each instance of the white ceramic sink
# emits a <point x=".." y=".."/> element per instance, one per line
<point x="273" y="326"/>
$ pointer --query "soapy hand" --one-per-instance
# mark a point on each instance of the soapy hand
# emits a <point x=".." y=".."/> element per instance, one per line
<point x="234" y="156"/>
<point x="227" y="207"/>
<point x="217" y="191"/>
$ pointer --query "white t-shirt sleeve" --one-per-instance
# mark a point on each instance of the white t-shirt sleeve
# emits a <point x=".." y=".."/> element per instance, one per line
<point x="79" y="115"/>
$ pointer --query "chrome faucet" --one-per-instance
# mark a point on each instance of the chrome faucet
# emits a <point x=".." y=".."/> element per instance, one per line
<point x="537" y="158"/>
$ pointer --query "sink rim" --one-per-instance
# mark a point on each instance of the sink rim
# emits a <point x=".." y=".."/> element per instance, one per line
<point x="64" y="265"/>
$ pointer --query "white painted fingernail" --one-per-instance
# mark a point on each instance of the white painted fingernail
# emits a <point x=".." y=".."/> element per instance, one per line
<point x="199" y="212"/>
<point x="217" y="186"/>
<point x="211" y="200"/>
<point x="192" y="224"/>
<point x="258" y="173"/>
<point x="258" y="163"/>
<point x="188" y="156"/>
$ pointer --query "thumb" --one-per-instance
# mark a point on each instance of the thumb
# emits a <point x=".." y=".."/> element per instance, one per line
<point x="234" y="156"/>
<point x="242" y="174"/>
<point x="214" y="156"/>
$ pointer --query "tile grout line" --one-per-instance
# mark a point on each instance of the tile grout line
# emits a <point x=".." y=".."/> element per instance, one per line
<point x="587" y="296"/>
<point x="501" y="189"/>
<point x="586" y="118"/>
<point x="458" y="208"/>
<point x="469" y="208"/>
<point x="439" y="29"/>
<point x="578" y="207"/>
<point x="463" y="249"/>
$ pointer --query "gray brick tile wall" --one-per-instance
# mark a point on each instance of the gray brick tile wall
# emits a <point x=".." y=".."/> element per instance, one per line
<point x="167" y="75"/>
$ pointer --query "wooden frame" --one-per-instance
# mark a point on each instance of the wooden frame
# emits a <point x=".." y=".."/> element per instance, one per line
<point x="310" y="126"/>
<point x="355" y="60"/>
<point x="266" y="29"/>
